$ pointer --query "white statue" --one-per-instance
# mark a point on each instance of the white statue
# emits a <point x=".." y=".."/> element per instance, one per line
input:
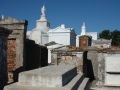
<point x="43" y="10"/>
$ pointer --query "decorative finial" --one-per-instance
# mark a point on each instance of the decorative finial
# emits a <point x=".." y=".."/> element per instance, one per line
<point x="83" y="23"/>
<point x="83" y="29"/>
<point x="2" y="17"/>
<point x="43" y="10"/>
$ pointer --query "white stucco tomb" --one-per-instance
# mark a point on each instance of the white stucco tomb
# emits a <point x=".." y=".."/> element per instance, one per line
<point x="62" y="35"/>
<point x="42" y="34"/>
<point x="39" y="34"/>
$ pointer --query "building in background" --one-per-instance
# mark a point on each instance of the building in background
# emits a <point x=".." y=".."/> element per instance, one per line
<point x="102" y="43"/>
<point x="94" y="35"/>
<point x="61" y="35"/>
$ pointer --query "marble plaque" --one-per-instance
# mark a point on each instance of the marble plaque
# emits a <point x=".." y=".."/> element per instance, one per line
<point x="112" y="64"/>
<point x="112" y="79"/>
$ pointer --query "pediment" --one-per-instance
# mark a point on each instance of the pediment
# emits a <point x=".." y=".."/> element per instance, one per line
<point x="9" y="20"/>
<point x="59" y="29"/>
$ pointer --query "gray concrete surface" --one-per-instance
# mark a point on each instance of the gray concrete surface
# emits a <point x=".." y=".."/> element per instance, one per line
<point x="50" y="76"/>
<point x="84" y="85"/>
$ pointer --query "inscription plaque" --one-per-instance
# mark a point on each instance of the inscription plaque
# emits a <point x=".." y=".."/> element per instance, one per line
<point x="112" y="64"/>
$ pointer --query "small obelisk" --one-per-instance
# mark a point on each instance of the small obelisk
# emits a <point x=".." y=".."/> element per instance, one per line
<point x="2" y="17"/>
<point x="83" y="29"/>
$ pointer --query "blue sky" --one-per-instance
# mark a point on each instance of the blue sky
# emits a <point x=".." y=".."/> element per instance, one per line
<point x="97" y="14"/>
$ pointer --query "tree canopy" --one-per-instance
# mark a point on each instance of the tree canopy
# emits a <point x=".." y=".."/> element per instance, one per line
<point x="114" y="35"/>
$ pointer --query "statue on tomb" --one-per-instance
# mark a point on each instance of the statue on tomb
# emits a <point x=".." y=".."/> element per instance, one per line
<point x="43" y="10"/>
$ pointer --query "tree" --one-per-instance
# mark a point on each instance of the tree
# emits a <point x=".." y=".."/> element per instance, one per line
<point x="106" y="34"/>
<point x="114" y="35"/>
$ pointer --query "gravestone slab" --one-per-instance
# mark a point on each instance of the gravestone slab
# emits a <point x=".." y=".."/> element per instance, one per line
<point x="50" y="76"/>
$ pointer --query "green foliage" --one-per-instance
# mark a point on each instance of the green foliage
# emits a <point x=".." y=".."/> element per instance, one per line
<point x="106" y="34"/>
<point x="114" y="35"/>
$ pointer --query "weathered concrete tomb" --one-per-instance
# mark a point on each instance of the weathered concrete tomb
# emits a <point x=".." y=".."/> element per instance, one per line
<point x="67" y="55"/>
<point x="106" y="70"/>
<point x="101" y="66"/>
<point x="16" y="44"/>
<point x="51" y="78"/>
